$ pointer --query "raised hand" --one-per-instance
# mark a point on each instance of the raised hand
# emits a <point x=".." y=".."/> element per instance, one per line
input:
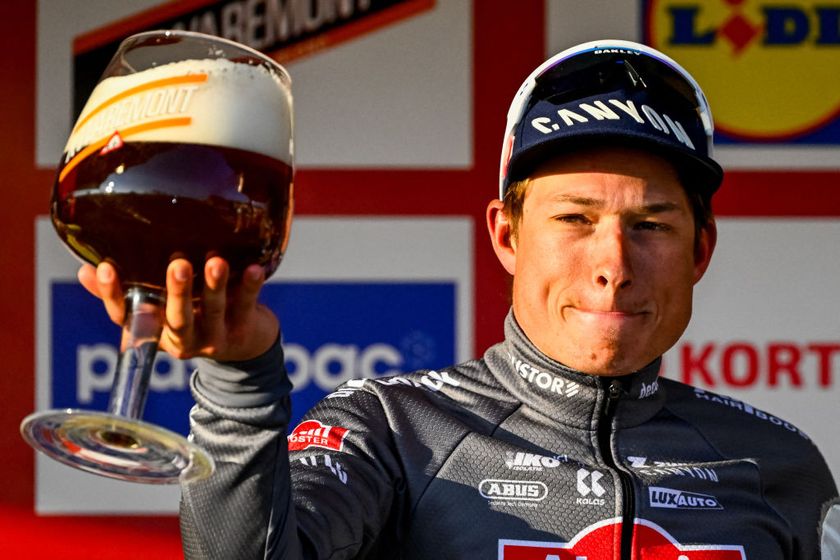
<point x="227" y="323"/>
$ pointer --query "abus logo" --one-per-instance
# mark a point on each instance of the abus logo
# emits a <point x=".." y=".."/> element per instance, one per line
<point x="597" y="542"/>
<point x="677" y="499"/>
<point x="314" y="434"/>
<point x="735" y="49"/>
<point x="521" y="461"/>
<point x="524" y="490"/>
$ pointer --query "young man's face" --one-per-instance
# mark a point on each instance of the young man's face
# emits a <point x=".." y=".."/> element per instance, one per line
<point x="604" y="260"/>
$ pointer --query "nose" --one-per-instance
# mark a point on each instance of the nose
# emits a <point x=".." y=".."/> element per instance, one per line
<point x="611" y="258"/>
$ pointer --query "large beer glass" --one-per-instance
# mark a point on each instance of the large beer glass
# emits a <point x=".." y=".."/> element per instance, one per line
<point x="184" y="149"/>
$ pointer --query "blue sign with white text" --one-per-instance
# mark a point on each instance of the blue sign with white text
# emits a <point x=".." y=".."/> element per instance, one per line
<point x="332" y="332"/>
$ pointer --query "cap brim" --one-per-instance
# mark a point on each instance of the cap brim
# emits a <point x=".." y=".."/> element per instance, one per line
<point x="697" y="172"/>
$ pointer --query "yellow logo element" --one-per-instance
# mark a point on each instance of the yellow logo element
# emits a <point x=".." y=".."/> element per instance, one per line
<point x="160" y="103"/>
<point x="770" y="68"/>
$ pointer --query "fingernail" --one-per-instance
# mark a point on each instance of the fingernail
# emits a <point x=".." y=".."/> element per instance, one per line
<point x="104" y="274"/>
<point x="180" y="274"/>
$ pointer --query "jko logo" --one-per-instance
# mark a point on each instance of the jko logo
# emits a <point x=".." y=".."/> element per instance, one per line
<point x="768" y="67"/>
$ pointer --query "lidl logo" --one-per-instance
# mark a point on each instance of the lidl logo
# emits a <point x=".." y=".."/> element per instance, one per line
<point x="770" y="68"/>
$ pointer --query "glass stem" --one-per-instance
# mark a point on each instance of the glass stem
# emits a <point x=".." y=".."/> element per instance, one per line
<point x="144" y="316"/>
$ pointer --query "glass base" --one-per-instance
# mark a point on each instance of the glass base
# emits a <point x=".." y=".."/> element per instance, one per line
<point x="116" y="447"/>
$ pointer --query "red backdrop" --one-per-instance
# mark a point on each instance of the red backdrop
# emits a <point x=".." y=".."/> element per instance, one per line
<point x="499" y="63"/>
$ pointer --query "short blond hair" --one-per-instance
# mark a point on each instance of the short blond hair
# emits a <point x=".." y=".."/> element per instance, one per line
<point x="513" y="203"/>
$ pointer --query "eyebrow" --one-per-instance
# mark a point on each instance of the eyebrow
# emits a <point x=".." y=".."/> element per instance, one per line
<point x="653" y="208"/>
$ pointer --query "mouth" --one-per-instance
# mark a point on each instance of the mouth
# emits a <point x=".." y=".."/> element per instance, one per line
<point x="608" y="317"/>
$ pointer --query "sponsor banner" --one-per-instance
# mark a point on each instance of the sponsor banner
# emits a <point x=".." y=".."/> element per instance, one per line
<point x="764" y="327"/>
<point x="352" y="306"/>
<point x="407" y="90"/>
<point x="738" y="51"/>
<point x="600" y="540"/>
<point x="769" y="69"/>
<point x="284" y="30"/>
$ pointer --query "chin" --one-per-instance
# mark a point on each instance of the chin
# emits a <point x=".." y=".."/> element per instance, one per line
<point x="609" y="364"/>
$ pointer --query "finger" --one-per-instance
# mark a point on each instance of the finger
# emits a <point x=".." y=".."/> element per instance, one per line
<point x="246" y="294"/>
<point x="214" y="299"/>
<point x="109" y="289"/>
<point x="179" y="307"/>
<point x="87" y="278"/>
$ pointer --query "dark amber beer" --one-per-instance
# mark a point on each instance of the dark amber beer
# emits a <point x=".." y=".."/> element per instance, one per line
<point x="182" y="200"/>
<point x="149" y="174"/>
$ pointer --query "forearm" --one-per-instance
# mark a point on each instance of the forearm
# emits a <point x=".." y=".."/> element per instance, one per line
<point x="241" y="418"/>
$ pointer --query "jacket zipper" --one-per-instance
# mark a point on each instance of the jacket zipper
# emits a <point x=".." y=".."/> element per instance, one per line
<point x="614" y="391"/>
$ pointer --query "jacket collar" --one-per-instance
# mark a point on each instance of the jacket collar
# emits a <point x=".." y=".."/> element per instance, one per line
<point x="566" y="395"/>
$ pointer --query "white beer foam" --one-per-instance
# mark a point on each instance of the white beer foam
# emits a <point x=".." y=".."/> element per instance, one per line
<point x="238" y="106"/>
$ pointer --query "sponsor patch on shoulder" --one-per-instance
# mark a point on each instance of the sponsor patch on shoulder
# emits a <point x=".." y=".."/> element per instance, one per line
<point x="312" y="433"/>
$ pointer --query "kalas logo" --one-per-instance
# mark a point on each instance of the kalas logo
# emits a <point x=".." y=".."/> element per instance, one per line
<point x="598" y="542"/>
<point x="314" y="434"/>
<point x="768" y="67"/>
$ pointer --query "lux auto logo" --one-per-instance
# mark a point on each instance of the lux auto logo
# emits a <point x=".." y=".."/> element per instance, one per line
<point x="597" y="542"/>
<point x="678" y="499"/>
<point x="589" y="487"/>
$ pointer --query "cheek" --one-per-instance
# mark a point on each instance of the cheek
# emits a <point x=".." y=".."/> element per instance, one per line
<point x="548" y="260"/>
<point x="676" y="289"/>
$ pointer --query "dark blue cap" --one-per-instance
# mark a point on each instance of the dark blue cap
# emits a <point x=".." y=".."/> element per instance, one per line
<point x="608" y="93"/>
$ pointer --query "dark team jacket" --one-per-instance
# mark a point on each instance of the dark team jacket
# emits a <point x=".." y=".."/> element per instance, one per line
<point x="512" y="456"/>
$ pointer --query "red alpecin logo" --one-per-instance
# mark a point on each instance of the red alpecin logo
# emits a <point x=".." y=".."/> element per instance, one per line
<point x="601" y="540"/>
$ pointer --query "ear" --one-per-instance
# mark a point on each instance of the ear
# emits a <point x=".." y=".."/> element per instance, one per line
<point x="704" y="248"/>
<point x="500" y="234"/>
